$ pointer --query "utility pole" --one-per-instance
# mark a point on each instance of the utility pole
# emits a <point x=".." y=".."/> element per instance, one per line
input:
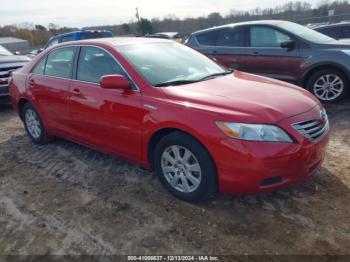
<point x="137" y="14"/>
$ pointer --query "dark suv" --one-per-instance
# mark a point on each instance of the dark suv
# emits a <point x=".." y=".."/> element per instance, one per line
<point x="281" y="50"/>
<point x="336" y="31"/>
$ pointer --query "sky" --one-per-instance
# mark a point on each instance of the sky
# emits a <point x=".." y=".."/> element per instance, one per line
<point x="80" y="13"/>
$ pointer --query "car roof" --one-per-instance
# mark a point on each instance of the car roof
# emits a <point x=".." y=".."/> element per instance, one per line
<point x="118" y="41"/>
<point x="257" y="22"/>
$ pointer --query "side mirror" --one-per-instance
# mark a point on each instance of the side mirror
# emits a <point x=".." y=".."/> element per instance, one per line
<point x="290" y="45"/>
<point x="40" y="50"/>
<point x="114" y="82"/>
<point x="17" y="53"/>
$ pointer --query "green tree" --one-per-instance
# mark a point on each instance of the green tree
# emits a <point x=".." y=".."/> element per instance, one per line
<point x="144" y="26"/>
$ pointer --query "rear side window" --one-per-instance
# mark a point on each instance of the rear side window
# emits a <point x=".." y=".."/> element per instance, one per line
<point x="94" y="63"/>
<point x="59" y="62"/>
<point x="232" y="37"/>
<point x="39" y="68"/>
<point x="346" y="32"/>
<point x="263" y="36"/>
<point x="97" y="34"/>
<point x="333" y="32"/>
<point x="208" y="39"/>
<point x="67" y="38"/>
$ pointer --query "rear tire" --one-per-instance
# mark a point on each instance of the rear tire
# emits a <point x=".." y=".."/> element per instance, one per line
<point x="328" y="85"/>
<point x="184" y="167"/>
<point x="34" y="125"/>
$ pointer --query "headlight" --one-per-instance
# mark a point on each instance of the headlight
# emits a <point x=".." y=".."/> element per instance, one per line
<point x="347" y="52"/>
<point x="254" y="132"/>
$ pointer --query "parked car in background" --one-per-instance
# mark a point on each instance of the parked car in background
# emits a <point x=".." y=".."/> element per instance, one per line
<point x="8" y="63"/>
<point x="281" y="50"/>
<point x="336" y="31"/>
<point x="169" y="108"/>
<point x="167" y="35"/>
<point x="73" y="36"/>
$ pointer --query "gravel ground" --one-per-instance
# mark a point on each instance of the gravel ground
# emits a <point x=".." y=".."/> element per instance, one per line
<point x="63" y="198"/>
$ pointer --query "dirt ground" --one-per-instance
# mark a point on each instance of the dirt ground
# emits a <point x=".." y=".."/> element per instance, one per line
<point x="63" y="198"/>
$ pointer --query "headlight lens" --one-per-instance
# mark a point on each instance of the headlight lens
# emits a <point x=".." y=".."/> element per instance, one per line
<point x="347" y="52"/>
<point x="254" y="132"/>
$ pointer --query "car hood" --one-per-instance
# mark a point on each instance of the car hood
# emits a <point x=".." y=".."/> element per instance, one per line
<point x="13" y="58"/>
<point x="244" y="97"/>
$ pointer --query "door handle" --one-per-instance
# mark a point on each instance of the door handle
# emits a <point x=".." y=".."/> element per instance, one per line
<point x="256" y="53"/>
<point x="76" y="92"/>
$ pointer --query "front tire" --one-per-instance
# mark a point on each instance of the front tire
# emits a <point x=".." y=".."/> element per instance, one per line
<point x="34" y="125"/>
<point x="328" y="85"/>
<point x="184" y="167"/>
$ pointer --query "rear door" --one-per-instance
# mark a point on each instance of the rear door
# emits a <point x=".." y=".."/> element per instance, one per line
<point x="226" y="46"/>
<point x="266" y="56"/>
<point x="104" y="118"/>
<point x="49" y="83"/>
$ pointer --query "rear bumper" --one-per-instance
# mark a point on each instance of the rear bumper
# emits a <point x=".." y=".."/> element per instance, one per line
<point x="247" y="167"/>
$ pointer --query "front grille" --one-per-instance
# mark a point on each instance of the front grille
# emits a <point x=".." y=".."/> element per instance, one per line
<point x="312" y="129"/>
<point x="5" y="73"/>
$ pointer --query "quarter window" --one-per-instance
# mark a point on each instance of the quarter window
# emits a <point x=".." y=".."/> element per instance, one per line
<point x="261" y="36"/>
<point x="39" y="68"/>
<point x="59" y="62"/>
<point x="94" y="63"/>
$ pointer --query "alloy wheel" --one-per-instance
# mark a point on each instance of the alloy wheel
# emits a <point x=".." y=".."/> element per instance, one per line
<point x="33" y="123"/>
<point x="181" y="169"/>
<point x="328" y="87"/>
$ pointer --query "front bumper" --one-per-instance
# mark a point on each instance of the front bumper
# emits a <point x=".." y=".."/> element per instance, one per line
<point x="247" y="167"/>
<point x="4" y="95"/>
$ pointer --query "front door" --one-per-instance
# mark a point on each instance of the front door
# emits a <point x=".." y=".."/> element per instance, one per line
<point x="104" y="118"/>
<point x="266" y="56"/>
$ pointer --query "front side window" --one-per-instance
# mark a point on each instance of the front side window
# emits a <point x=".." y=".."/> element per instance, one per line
<point x="161" y="63"/>
<point x="59" y="62"/>
<point x="94" y="63"/>
<point x="263" y="36"/>
<point x="231" y="37"/>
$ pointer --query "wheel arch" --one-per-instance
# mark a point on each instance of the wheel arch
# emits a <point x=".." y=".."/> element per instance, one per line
<point x="21" y="102"/>
<point x="306" y="77"/>
<point x="162" y="132"/>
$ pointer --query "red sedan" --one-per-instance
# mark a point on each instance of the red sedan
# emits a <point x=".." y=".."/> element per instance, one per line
<point x="169" y="108"/>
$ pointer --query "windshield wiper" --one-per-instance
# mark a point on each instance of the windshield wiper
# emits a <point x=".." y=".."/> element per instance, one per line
<point x="215" y="75"/>
<point x="175" y="82"/>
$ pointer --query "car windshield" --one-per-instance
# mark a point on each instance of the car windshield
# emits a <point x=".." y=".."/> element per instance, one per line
<point x="170" y="63"/>
<point x="305" y="33"/>
<point x="4" y="51"/>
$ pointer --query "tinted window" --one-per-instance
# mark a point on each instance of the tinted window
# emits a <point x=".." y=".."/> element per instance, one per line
<point x="346" y="32"/>
<point x="97" y="34"/>
<point x="94" y="63"/>
<point x="39" y="68"/>
<point x="331" y="31"/>
<point x="230" y="37"/>
<point x="261" y="36"/>
<point x="67" y="38"/>
<point x="59" y="62"/>
<point x="208" y="39"/>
